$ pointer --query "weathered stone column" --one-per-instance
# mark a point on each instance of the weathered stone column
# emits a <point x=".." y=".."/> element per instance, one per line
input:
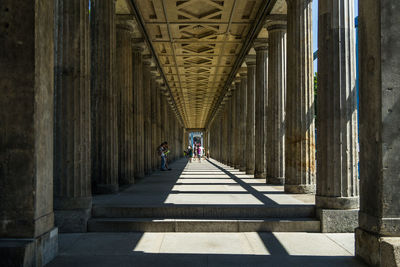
<point x="104" y="97"/>
<point x="225" y="133"/>
<point x="124" y="85"/>
<point x="260" y="115"/>
<point x="154" y="141"/>
<point x="147" y="114"/>
<point x="300" y="122"/>
<point x="242" y="120"/>
<point x="159" y="123"/>
<point x="234" y="139"/>
<point x="337" y="142"/>
<point x="230" y="128"/>
<point x="276" y="101"/>
<point x="27" y="233"/>
<point x="378" y="235"/>
<point x="72" y="167"/>
<point x="237" y="131"/>
<point x="137" y="65"/>
<point x="250" y="115"/>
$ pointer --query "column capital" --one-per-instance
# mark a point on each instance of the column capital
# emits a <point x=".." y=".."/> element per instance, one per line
<point x="250" y="60"/>
<point x="261" y="44"/>
<point x="243" y="74"/>
<point x="276" y="23"/>
<point x="147" y="60"/>
<point x="138" y="44"/>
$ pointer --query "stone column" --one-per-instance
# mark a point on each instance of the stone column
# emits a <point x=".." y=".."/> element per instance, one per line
<point x="159" y="131"/>
<point x="124" y="85"/>
<point x="228" y="128"/>
<point x="234" y="139"/>
<point x="260" y="110"/>
<point x="147" y="114"/>
<point x="337" y="142"/>
<point x="242" y="120"/>
<point x="186" y="139"/>
<point x="27" y="233"/>
<point x="225" y="132"/>
<point x="72" y="166"/>
<point x="237" y="115"/>
<point x="250" y="118"/>
<point x="137" y="66"/>
<point x="300" y="122"/>
<point x="276" y="101"/>
<point x="231" y="127"/>
<point x="104" y="97"/>
<point x="154" y="142"/>
<point x="378" y="235"/>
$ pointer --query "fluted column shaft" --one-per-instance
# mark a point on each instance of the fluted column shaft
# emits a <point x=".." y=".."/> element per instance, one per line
<point x="276" y="103"/>
<point x="250" y="115"/>
<point x="124" y="83"/>
<point x="137" y="70"/>
<point x="237" y="132"/>
<point x="242" y="121"/>
<point x="72" y="167"/>
<point x="154" y="141"/>
<point x="260" y="110"/>
<point x="337" y="154"/>
<point x="159" y="123"/>
<point x="226" y="133"/>
<point x="104" y="97"/>
<point x="147" y="116"/>
<point x="300" y="122"/>
<point x="235" y="136"/>
<point x="231" y="127"/>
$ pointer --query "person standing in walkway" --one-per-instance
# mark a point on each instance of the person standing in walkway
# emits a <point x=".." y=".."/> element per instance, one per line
<point x="194" y="152"/>
<point x="162" y="152"/>
<point x="199" y="153"/>
<point x="190" y="153"/>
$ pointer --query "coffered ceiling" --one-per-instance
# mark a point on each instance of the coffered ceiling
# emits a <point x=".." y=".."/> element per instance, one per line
<point x="197" y="43"/>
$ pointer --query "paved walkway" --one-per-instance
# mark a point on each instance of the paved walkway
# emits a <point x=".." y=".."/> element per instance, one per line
<point x="206" y="183"/>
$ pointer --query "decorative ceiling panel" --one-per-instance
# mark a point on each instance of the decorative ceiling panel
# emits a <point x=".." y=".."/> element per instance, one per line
<point x="197" y="43"/>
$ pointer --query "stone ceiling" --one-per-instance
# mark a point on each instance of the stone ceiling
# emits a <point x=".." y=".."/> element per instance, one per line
<point x="197" y="43"/>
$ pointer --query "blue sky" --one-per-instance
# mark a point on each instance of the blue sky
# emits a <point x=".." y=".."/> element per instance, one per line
<point x="315" y="25"/>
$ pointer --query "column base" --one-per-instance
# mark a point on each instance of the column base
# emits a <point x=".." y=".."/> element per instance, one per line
<point x="249" y="171"/>
<point x="140" y="174"/>
<point x="72" y="221"/>
<point x="259" y="175"/>
<point x="29" y="252"/>
<point x="300" y="189"/>
<point x="337" y="203"/>
<point x="72" y="214"/>
<point x="106" y="189"/>
<point x="276" y="180"/>
<point x="338" y="221"/>
<point x="376" y="250"/>
<point x="242" y="169"/>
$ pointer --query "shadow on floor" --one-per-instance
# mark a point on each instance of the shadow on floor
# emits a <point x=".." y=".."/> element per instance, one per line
<point x="119" y="250"/>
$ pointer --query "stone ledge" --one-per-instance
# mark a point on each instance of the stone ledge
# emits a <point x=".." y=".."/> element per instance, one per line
<point x="29" y="252"/>
<point x="376" y="250"/>
<point x="338" y="221"/>
<point x="72" y="221"/>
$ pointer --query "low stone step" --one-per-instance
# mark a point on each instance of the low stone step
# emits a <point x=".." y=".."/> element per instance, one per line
<point x="204" y="211"/>
<point x="205" y="225"/>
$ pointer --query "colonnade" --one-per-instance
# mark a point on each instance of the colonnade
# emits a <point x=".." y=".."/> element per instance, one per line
<point x="86" y="110"/>
<point x="283" y="136"/>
